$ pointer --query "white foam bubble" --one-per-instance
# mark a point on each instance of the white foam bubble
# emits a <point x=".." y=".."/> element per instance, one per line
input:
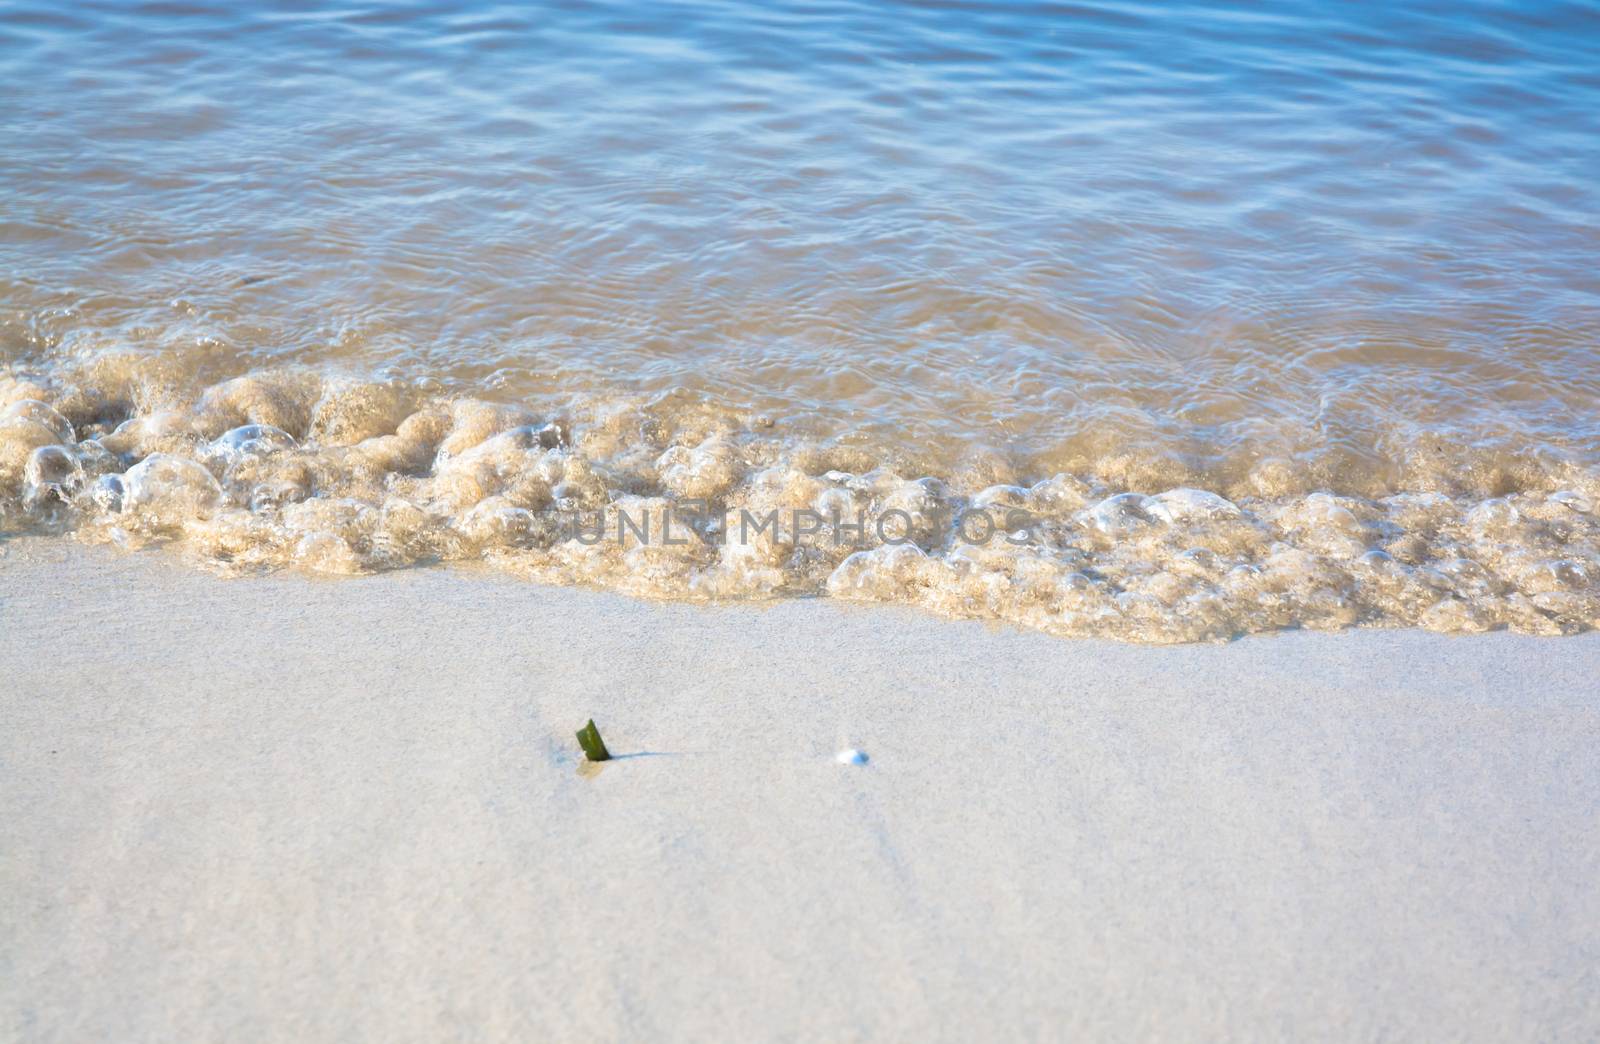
<point x="167" y="490"/>
<point x="283" y="470"/>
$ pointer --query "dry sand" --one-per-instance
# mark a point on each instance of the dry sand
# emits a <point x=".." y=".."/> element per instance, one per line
<point x="289" y="809"/>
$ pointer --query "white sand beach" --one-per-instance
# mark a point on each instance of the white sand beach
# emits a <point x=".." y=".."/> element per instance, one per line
<point x="290" y="809"/>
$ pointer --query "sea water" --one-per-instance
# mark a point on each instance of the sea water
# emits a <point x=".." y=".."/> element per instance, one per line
<point x="1224" y="318"/>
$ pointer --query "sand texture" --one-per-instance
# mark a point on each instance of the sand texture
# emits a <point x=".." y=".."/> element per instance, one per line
<point x="291" y="809"/>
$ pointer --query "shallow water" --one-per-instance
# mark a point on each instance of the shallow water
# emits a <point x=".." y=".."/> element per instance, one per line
<point x="1326" y="271"/>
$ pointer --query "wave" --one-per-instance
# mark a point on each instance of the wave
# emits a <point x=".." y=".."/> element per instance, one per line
<point x="298" y="470"/>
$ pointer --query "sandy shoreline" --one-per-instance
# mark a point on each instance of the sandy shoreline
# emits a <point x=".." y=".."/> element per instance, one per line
<point x="296" y="809"/>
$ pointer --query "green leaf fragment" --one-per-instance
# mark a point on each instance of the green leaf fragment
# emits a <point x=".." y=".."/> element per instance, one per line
<point x="594" y="748"/>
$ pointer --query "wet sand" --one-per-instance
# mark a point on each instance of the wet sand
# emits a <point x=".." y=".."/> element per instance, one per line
<point x="286" y="808"/>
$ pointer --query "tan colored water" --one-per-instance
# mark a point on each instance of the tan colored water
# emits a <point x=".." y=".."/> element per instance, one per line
<point x="1246" y="321"/>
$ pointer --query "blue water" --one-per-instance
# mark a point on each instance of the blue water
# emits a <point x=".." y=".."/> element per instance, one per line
<point x="1264" y="251"/>
<point x="671" y="187"/>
